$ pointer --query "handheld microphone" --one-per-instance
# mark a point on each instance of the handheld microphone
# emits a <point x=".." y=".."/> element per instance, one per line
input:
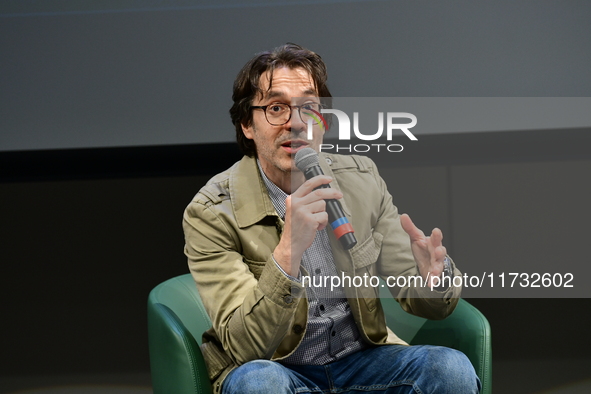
<point x="306" y="160"/>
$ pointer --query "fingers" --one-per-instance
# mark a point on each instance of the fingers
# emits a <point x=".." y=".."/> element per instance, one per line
<point x="436" y="243"/>
<point x="308" y="211"/>
<point x="322" y="220"/>
<point x="312" y="208"/>
<point x="325" y="193"/>
<point x="436" y="237"/>
<point x="428" y="252"/>
<point x="413" y="231"/>
<point x="439" y="253"/>
<point x="317" y="206"/>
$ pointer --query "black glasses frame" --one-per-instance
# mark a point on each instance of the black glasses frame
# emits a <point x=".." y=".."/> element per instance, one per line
<point x="299" y="107"/>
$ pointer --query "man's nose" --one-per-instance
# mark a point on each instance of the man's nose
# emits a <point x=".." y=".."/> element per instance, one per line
<point x="295" y="121"/>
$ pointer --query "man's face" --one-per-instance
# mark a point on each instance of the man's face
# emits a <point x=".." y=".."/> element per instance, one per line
<point x="277" y="145"/>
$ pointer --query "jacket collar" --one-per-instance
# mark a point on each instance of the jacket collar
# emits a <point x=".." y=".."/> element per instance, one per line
<point x="248" y="193"/>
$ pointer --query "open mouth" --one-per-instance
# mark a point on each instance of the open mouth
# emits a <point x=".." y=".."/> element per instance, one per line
<point x="293" y="146"/>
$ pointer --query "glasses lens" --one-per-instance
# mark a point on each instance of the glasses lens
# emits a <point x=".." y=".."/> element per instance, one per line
<point x="310" y="111"/>
<point x="278" y="114"/>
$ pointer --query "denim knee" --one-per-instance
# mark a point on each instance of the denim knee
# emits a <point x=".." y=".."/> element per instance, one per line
<point x="449" y="371"/>
<point x="260" y="377"/>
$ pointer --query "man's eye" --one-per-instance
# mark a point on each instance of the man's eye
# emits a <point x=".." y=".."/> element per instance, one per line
<point x="276" y="108"/>
<point x="311" y="107"/>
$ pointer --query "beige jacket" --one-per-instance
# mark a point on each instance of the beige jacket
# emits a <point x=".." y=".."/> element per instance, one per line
<point x="231" y="229"/>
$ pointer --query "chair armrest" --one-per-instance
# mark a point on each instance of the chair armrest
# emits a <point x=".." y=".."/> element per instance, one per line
<point x="176" y="361"/>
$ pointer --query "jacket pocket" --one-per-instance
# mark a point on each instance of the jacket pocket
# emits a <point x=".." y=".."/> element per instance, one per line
<point x="367" y="252"/>
<point x="256" y="267"/>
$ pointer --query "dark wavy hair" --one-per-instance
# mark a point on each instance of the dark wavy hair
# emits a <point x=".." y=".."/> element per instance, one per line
<point x="246" y="85"/>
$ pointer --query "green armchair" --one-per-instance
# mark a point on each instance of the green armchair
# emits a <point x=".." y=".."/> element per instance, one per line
<point x="177" y="318"/>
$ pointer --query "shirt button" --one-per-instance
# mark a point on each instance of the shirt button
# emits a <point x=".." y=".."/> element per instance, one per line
<point x="297" y="329"/>
<point x="288" y="299"/>
<point x="329" y="160"/>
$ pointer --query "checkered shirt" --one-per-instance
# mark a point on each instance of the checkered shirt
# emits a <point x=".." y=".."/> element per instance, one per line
<point x="331" y="333"/>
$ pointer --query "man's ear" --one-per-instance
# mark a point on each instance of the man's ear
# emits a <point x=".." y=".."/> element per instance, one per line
<point x="248" y="131"/>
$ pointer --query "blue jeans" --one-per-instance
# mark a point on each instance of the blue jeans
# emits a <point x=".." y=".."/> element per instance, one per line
<point x="384" y="369"/>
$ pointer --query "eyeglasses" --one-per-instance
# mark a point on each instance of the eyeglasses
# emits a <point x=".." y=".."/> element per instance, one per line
<point x="278" y="114"/>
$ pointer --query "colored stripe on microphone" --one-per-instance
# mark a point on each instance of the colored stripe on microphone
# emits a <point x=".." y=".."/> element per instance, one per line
<point x="343" y="229"/>
<point x="339" y="222"/>
<point x="341" y="226"/>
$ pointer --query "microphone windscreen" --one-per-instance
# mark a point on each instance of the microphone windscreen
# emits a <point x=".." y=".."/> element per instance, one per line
<point x="306" y="158"/>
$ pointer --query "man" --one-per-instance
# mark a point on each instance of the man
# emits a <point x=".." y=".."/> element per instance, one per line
<point x="255" y="230"/>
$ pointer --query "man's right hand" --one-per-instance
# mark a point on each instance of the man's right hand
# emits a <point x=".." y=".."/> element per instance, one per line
<point x="305" y="214"/>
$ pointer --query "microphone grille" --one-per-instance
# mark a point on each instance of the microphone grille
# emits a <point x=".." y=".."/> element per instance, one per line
<point x="306" y="158"/>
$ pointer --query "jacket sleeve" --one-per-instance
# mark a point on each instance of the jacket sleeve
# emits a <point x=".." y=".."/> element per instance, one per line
<point x="250" y="316"/>
<point x="396" y="259"/>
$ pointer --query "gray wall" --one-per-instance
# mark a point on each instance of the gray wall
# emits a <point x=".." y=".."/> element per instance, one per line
<point x="121" y="74"/>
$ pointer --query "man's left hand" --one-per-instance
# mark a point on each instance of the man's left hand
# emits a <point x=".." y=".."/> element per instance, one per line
<point x="428" y="252"/>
